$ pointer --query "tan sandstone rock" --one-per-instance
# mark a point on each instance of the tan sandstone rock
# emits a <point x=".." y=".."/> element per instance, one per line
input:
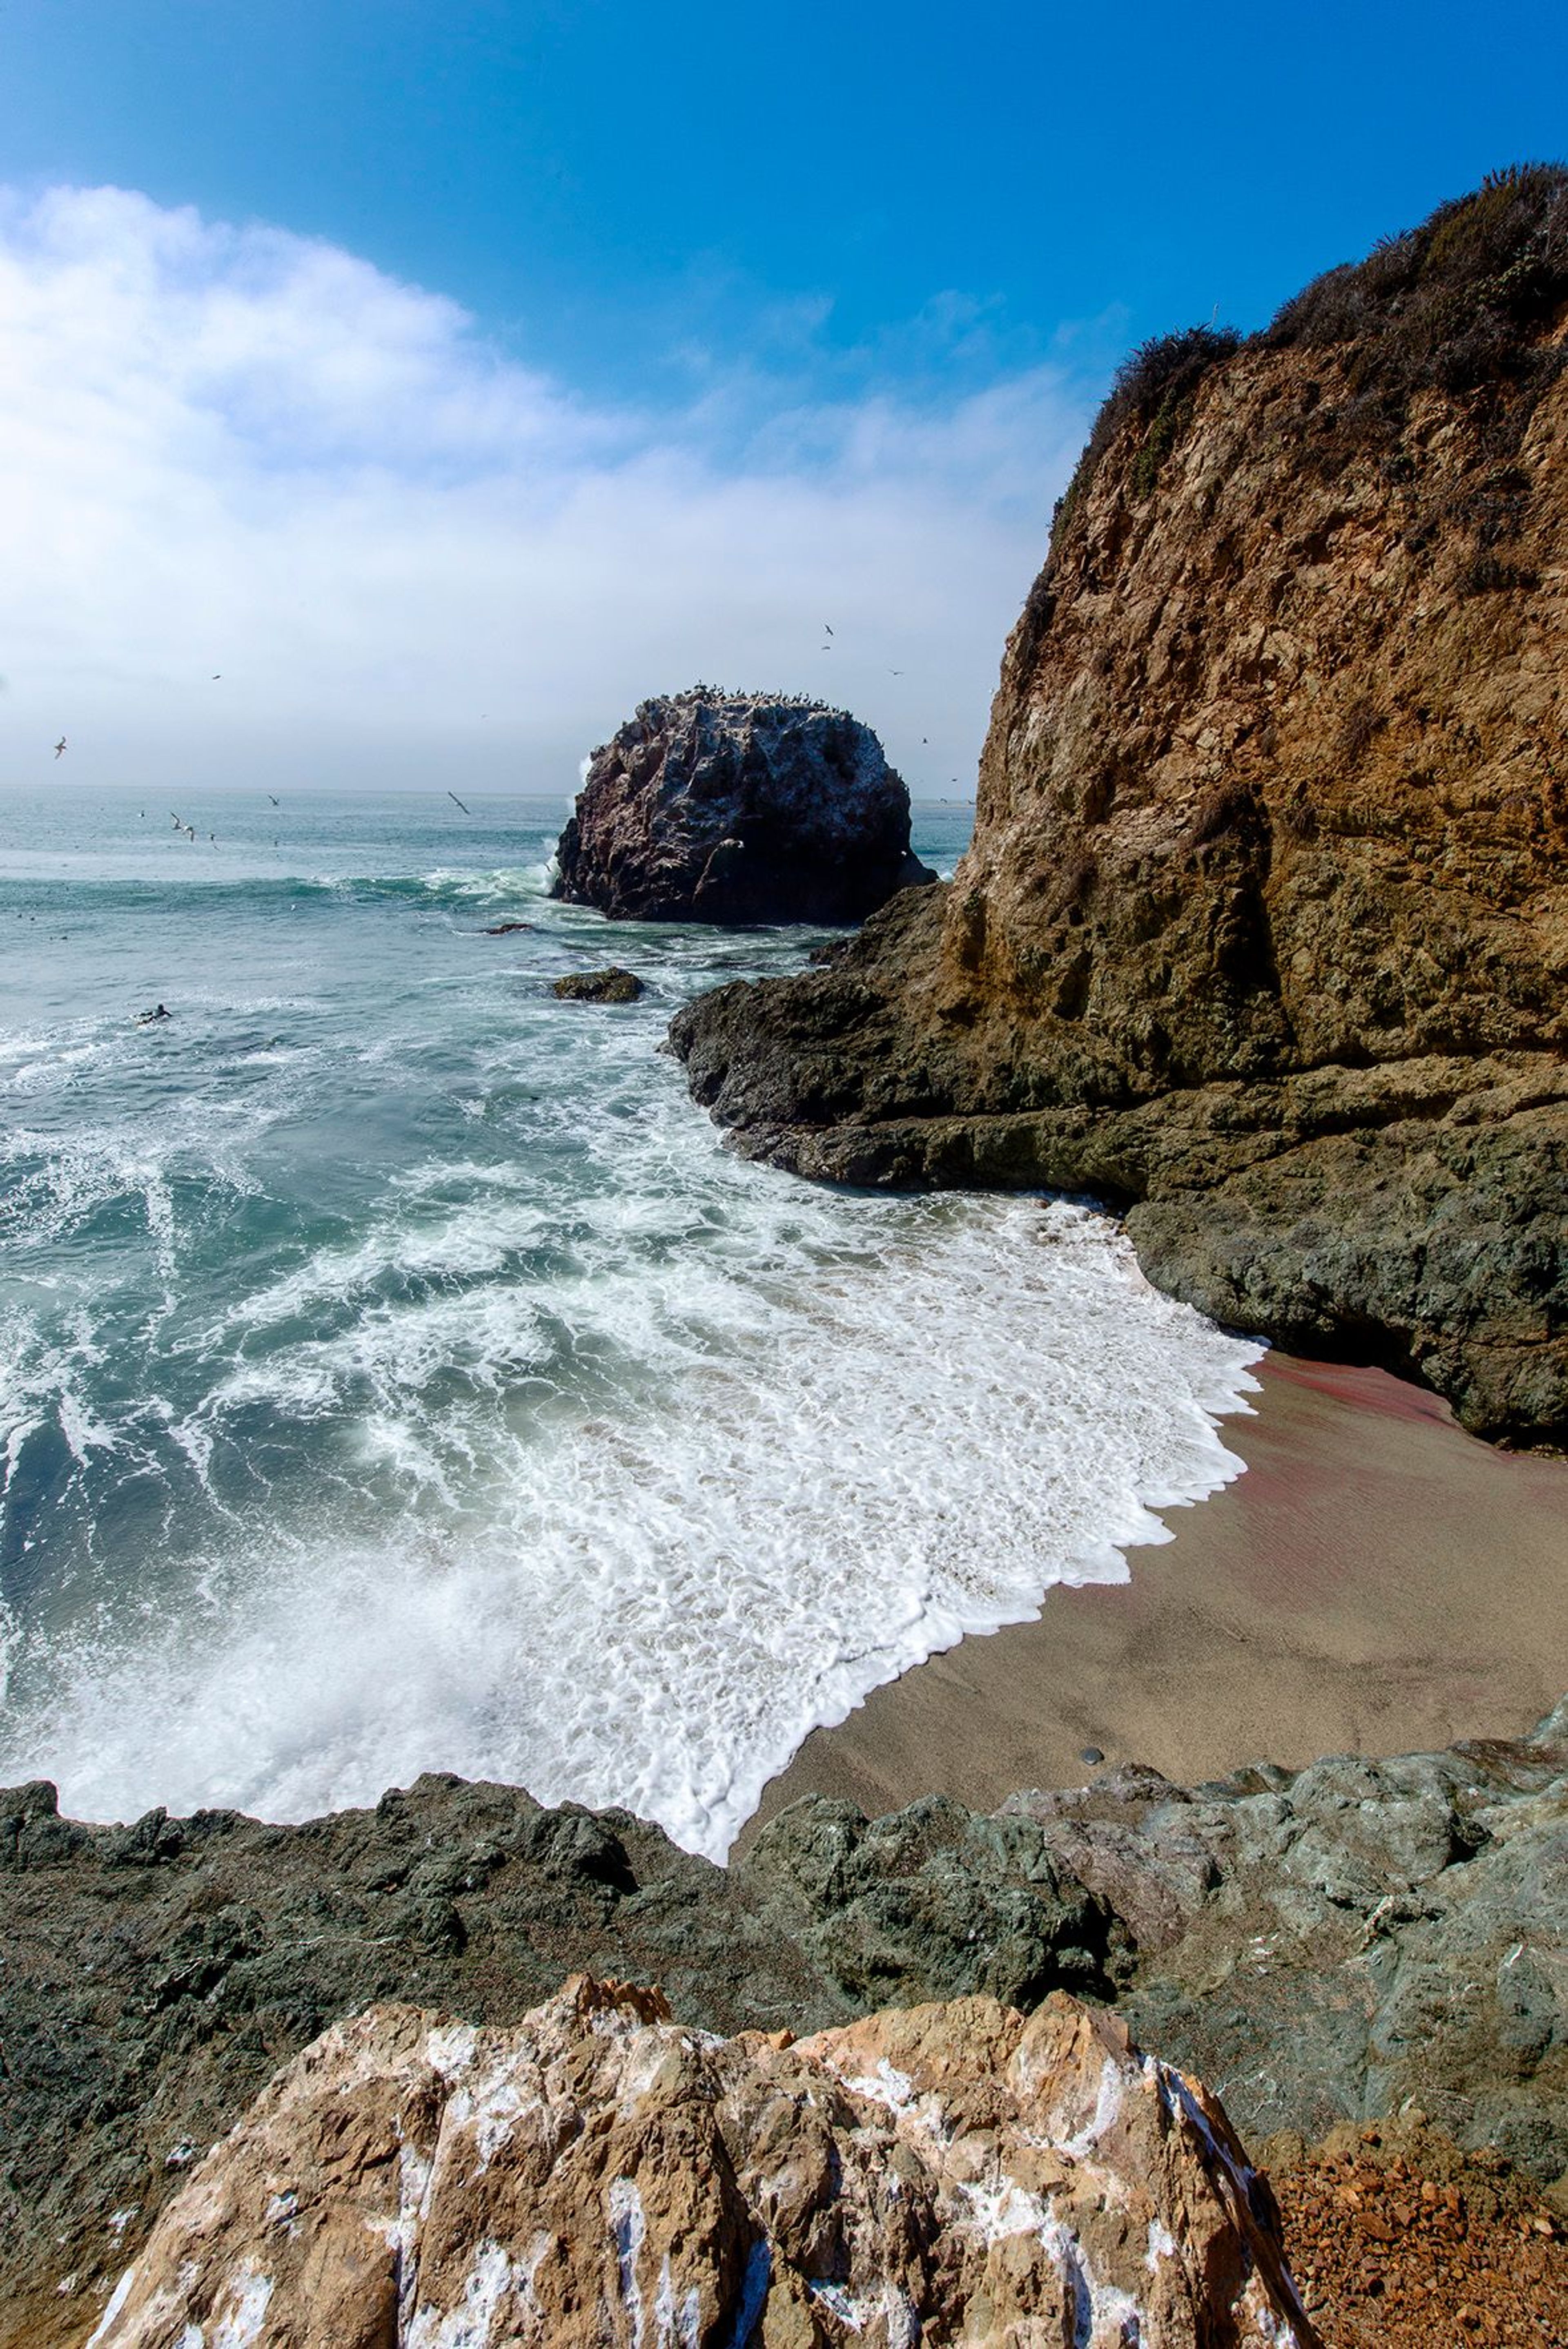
<point x="601" y="2176"/>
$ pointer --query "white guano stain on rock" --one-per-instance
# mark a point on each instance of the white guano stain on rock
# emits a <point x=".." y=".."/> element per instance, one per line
<point x="677" y="2316"/>
<point x="451" y="2048"/>
<point x="472" y="2325"/>
<point x="117" y="2300"/>
<point x="1161" y="2244"/>
<point x="628" y="2227"/>
<point x="241" y="2326"/>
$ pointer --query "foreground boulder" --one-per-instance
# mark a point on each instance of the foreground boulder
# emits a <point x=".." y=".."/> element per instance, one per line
<point x="737" y="807"/>
<point x="1264" y="932"/>
<point x="598" y="2175"/>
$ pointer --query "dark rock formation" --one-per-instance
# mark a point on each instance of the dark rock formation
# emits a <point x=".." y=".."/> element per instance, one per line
<point x="613" y="985"/>
<point x="1343" y="1941"/>
<point x="1323" y="1947"/>
<point x="1264" y="932"/>
<point x="598" y="2175"/>
<point x="738" y="807"/>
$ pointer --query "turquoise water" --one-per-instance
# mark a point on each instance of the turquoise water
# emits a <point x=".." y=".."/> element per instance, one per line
<point x="398" y="1374"/>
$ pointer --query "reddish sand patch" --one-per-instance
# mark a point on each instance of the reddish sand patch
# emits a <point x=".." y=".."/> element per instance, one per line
<point x="1377" y="1582"/>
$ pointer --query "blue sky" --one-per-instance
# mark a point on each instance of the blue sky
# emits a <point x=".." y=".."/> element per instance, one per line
<point x="818" y="297"/>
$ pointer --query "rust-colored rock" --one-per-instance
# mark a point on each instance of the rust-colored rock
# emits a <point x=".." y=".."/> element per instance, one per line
<point x="1264" y="932"/>
<point x="601" y="2176"/>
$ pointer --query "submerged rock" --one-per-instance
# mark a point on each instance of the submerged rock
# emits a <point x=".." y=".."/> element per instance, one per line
<point x="597" y="2174"/>
<point x="613" y="985"/>
<point x="1264" y="932"/>
<point x="736" y="807"/>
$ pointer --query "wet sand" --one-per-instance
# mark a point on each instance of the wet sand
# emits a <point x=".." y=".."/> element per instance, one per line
<point x="1377" y="1582"/>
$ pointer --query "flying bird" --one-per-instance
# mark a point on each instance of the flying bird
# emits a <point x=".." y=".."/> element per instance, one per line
<point x="59" y="746"/>
<point x="276" y="803"/>
<point x="217" y="677"/>
<point x="828" y="627"/>
<point x="452" y="795"/>
<point x="895" y="672"/>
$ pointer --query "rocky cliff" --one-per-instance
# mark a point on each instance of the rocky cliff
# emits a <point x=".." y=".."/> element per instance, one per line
<point x="1326" y="1947"/>
<point x="738" y="807"/>
<point x="599" y="2175"/>
<point x="1264" y="932"/>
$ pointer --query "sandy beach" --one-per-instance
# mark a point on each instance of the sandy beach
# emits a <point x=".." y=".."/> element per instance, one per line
<point x="1376" y="1582"/>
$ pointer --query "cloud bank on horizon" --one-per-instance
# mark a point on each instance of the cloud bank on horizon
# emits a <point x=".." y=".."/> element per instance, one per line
<point x="409" y="556"/>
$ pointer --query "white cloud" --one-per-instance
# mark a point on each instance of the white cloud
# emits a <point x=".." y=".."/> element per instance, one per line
<point x="236" y="450"/>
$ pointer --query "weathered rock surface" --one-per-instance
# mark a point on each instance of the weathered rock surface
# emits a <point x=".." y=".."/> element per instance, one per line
<point x="1264" y="932"/>
<point x="153" y="1977"/>
<point x="1324" y="1947"/>
<point x="612" y="985"/>
<point x="737" y="807"/>
<point x="1340" y="1943"/>
<point x="599" y="2175"/>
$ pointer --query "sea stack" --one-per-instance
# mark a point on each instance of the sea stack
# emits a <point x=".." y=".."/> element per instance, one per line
<point x="1263" y="934"/>
<point x="737" y="808"/>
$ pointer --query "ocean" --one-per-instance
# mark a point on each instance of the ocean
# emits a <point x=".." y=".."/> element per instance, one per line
<point x="398" y="1373"/>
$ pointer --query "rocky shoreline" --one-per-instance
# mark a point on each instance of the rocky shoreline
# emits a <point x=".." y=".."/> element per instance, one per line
<point x="1263" y="931"/>
<point x="1324" y="1948"/>
<point x="1261" y="940"/>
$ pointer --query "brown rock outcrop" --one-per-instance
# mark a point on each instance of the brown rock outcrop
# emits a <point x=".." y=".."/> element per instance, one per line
<point x="1264" y="932"/>
<point x="601" y="2176"/>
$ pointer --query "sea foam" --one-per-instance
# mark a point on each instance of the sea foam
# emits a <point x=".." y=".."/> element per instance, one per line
<point x="840" y="1466"/>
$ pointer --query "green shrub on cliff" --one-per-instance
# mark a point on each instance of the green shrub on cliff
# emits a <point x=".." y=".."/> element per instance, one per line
<point x="1154" y="386"/>
<point x="1459" y="304"/>
<point x="1471" y="286"/>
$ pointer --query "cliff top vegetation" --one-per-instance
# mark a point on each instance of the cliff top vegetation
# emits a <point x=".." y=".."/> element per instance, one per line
<point x="1461" y="302"/>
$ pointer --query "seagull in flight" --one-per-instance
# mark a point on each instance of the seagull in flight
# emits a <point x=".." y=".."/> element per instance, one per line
<point x="452" y="795"/>
<point x="276" y="803"/>
<point x="59" y="746"/>
<point x="217" y="677"/>
<point x="828" y="626"/>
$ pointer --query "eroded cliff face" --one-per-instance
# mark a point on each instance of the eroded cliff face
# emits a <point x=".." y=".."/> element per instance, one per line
<point x="599" y="2175"/>
<point x="1264" y="929"/>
